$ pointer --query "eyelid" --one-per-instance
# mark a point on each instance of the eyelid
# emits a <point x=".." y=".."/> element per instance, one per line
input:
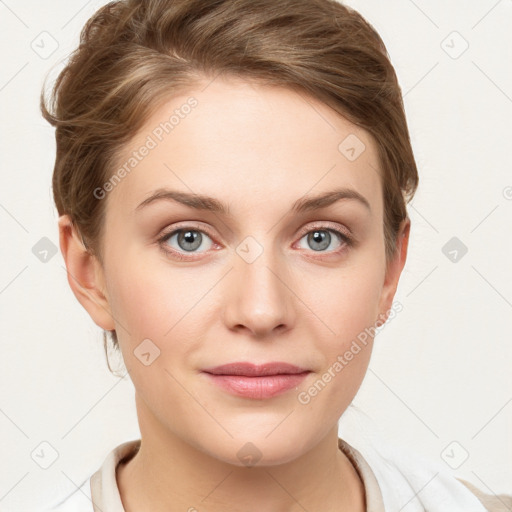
<point x="185" y="225"/>
<point x="325" y="225"/>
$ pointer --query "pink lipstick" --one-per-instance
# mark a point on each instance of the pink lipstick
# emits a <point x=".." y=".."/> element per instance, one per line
<point x="256" y="381"/>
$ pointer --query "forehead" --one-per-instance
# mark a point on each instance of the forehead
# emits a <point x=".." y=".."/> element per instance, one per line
<point x="246" y="143"/>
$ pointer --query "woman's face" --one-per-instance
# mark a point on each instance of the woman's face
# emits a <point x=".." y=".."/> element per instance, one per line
<point x="255" y="276"/>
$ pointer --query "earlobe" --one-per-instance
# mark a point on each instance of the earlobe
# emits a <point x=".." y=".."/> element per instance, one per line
<point x="394" y="268"/>
<point x="85" y="274"/>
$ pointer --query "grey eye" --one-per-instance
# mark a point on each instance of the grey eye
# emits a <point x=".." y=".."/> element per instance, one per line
<point x="188" y="240"/>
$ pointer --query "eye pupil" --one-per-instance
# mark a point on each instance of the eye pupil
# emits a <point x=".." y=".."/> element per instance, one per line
<point x="321" y="237"/>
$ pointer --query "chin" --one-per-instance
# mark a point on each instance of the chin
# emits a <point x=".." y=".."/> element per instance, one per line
<point x="258" y="450"/>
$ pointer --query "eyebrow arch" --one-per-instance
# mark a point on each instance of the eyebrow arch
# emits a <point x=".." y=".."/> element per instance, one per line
<point x="326" y="199"/>
<point x="207" y="203"/>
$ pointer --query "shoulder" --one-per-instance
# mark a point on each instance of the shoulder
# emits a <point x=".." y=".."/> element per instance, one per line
<point x="492" y="502"/>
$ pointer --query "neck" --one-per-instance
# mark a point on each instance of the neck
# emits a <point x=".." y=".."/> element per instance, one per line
<point x="169" y="474"/>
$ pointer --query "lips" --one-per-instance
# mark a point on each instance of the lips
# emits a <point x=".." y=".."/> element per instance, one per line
<point x="253" y="370"/>
<point x="258" y="382"/>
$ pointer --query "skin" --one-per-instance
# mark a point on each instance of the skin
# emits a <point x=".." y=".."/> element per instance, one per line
<point x="257" y="149"/>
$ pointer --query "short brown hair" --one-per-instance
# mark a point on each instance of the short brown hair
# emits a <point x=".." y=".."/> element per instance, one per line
<point x="133" y="55"/>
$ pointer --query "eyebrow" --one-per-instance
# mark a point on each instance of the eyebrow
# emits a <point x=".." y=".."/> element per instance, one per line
<point x="207" y="203"/>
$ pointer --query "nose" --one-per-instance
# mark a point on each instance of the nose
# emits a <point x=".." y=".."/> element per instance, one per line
<point x="258" y="297"/>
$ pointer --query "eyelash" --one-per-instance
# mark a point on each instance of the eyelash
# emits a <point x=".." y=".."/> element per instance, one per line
<point x="346" y="240"/>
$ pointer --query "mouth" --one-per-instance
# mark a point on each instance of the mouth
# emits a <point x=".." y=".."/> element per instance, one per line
<point x="256" y="381"/>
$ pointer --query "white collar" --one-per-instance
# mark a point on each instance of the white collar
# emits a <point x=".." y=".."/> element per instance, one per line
<point x="393" y="480"/>
<point x="106" y="498"/>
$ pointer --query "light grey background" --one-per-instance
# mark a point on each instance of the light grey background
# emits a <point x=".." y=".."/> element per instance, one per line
<point x="439" y="382"/>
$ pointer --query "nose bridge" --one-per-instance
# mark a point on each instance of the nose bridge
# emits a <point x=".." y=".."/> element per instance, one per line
<point x="260" y="299"/>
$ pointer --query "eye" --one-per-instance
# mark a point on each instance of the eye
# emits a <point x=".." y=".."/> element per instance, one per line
<point x="186" y="239"/>
<point x="321" y="238"/>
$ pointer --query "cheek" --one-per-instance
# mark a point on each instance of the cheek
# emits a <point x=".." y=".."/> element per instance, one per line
<point x="349" y="306"/>
<point x="144" y="301"/>
<point x="350" y="309"/>
<point x="151" y="300"/>
<point x="347" y="301"/>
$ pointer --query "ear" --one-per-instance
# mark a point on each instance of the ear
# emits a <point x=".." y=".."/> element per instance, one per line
<point x="394" y="269"/>
<point x="85" y="274"/>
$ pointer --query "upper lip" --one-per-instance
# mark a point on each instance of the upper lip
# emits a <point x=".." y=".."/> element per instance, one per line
<point x="254" y="370"/>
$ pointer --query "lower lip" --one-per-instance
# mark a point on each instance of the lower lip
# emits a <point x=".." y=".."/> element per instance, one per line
<point x="258" y="388"/>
